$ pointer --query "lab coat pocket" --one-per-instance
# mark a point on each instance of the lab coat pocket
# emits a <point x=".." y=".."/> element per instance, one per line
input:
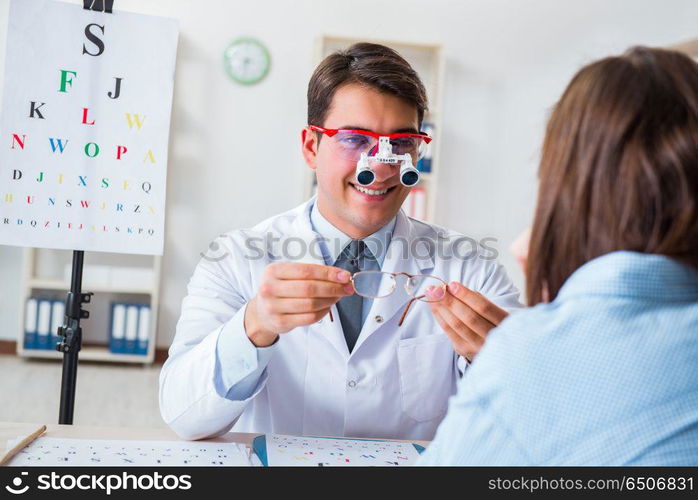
<point x="426" y="376"/>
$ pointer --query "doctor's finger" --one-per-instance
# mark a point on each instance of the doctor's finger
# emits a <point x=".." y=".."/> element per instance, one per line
<point x="290" y="321"/>
<point x="460" y="345"/>
<point x="297" y="271"/>
<point x="298" y="288"/>
<point x="478" y="302"/>
<point x="301" y="305"/>
<point x="469" y="317"/>
<point x="460" y="328"/>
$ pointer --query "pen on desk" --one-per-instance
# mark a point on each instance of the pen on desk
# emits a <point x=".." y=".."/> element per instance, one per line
<point x="22" y="444"/>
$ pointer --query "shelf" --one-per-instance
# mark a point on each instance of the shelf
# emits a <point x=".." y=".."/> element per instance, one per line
<point x="119" y="278"/>
<point x="60" y="285"/>
<point x="91" y="353"/>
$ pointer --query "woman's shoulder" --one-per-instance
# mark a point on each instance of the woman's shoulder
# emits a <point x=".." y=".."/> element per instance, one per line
<point x="528" y="325"/>
<point x="531" y="340"/>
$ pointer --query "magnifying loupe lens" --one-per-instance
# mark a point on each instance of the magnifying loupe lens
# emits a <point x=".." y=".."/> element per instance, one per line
<point x="365" y="177"/>
<point x="410" y="178"/>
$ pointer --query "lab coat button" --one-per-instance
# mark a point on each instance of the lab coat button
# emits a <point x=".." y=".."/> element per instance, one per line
<point x="379" y="319"/>
<point x="352" y="383"/>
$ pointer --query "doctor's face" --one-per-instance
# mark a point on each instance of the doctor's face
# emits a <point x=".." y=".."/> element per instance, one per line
<point x="345" y="203"/>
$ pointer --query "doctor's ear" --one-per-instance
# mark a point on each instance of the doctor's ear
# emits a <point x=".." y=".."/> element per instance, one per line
<point x="309" y="145"/>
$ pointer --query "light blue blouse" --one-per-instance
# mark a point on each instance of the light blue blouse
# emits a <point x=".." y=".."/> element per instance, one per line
<point x="606" y="374"/>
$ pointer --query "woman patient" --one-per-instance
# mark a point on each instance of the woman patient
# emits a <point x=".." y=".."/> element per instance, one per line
<point x="603" y="369"/>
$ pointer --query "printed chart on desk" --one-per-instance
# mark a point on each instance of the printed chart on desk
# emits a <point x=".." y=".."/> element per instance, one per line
<point x="46" y="451"/>
<point x="324" y="452"/>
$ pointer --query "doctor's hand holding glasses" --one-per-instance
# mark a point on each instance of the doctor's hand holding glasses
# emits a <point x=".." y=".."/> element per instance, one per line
<point x="295" y="294"/>
<point x="465" y="316"/>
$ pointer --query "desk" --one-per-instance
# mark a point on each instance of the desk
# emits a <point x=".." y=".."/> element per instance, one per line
<point x="10" y="430"/>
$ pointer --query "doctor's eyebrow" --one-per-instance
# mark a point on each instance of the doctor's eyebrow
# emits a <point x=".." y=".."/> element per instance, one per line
<point x="407" y="130"/>
<point x="404" y="130"/>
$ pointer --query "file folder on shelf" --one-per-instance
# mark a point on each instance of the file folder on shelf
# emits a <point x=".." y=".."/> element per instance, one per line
<point x="143" y="330"/>
<point x="31" y="316"/>
<point x="43" y="329"/>
<point x="118" y="327"/>
<point x="131" y="333"/>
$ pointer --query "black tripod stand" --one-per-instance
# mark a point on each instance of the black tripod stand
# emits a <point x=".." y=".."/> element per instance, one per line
<point x="71" y="341"/>
<point x="71" y="333"/>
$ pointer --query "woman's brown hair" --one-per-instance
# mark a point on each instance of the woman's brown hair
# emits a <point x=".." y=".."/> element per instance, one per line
<point x="619" y="167"/>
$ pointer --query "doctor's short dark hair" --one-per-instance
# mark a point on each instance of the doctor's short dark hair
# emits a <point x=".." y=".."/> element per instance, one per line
<point x="376" y="66"/>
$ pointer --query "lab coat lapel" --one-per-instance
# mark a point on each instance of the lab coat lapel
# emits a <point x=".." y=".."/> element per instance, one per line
<point x="303" y="232"/>
<point x="406" y="254"/>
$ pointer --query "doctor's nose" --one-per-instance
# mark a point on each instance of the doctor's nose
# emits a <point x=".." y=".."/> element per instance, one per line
<point x="384" y="172"/>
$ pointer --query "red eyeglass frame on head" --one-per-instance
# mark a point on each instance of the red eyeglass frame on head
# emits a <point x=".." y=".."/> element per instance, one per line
<point x="329" y="132"/>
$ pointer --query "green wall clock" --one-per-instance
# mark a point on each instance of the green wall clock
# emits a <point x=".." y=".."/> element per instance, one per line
<point x="247" y="60"/>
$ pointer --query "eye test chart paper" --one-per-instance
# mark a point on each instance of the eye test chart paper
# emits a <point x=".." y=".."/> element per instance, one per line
<point x="326" y="452"/>
<point x="46" y="451"/>
<point x="84" y="128"/>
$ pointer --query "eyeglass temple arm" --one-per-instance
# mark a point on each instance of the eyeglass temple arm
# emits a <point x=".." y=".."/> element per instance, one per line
<point x="409" y="304"/>
<point x="404" y="314"/>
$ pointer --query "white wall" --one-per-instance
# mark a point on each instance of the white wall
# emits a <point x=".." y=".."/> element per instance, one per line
<point x="506" y="63"/>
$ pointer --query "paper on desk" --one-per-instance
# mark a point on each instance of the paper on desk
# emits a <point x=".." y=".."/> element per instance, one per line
<point x="300" y="451"/>
<point x="46" y="451"/>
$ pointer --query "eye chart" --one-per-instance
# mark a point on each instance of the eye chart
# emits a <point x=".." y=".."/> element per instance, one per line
<point x="46" y="451"/>
<point x="322" y="452"/>
<point x="84" y="128"/>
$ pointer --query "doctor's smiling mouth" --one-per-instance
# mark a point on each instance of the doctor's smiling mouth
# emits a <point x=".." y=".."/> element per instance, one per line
<point x="373" y="193"/>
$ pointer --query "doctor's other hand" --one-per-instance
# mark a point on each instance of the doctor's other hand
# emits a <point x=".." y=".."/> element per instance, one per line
<point x="466" y="317"/>
<point x="292" y="295"/>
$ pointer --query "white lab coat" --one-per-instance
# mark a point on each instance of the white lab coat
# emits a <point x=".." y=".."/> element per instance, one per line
<point x="394" y="384"/>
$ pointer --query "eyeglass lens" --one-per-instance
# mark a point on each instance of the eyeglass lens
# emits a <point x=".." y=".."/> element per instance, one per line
<point x="376" y="284"/>
<point x="352" y="144"/>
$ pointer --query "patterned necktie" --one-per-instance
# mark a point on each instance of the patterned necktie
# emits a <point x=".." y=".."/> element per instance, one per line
<point x="350" y="307"/>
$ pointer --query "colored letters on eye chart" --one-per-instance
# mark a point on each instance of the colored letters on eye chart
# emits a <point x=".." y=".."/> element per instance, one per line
<point x="325" y="452"/>
<point x="84" y="128"/>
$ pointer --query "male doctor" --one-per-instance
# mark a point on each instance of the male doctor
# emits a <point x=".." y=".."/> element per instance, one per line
<point x="273" y="338"/>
